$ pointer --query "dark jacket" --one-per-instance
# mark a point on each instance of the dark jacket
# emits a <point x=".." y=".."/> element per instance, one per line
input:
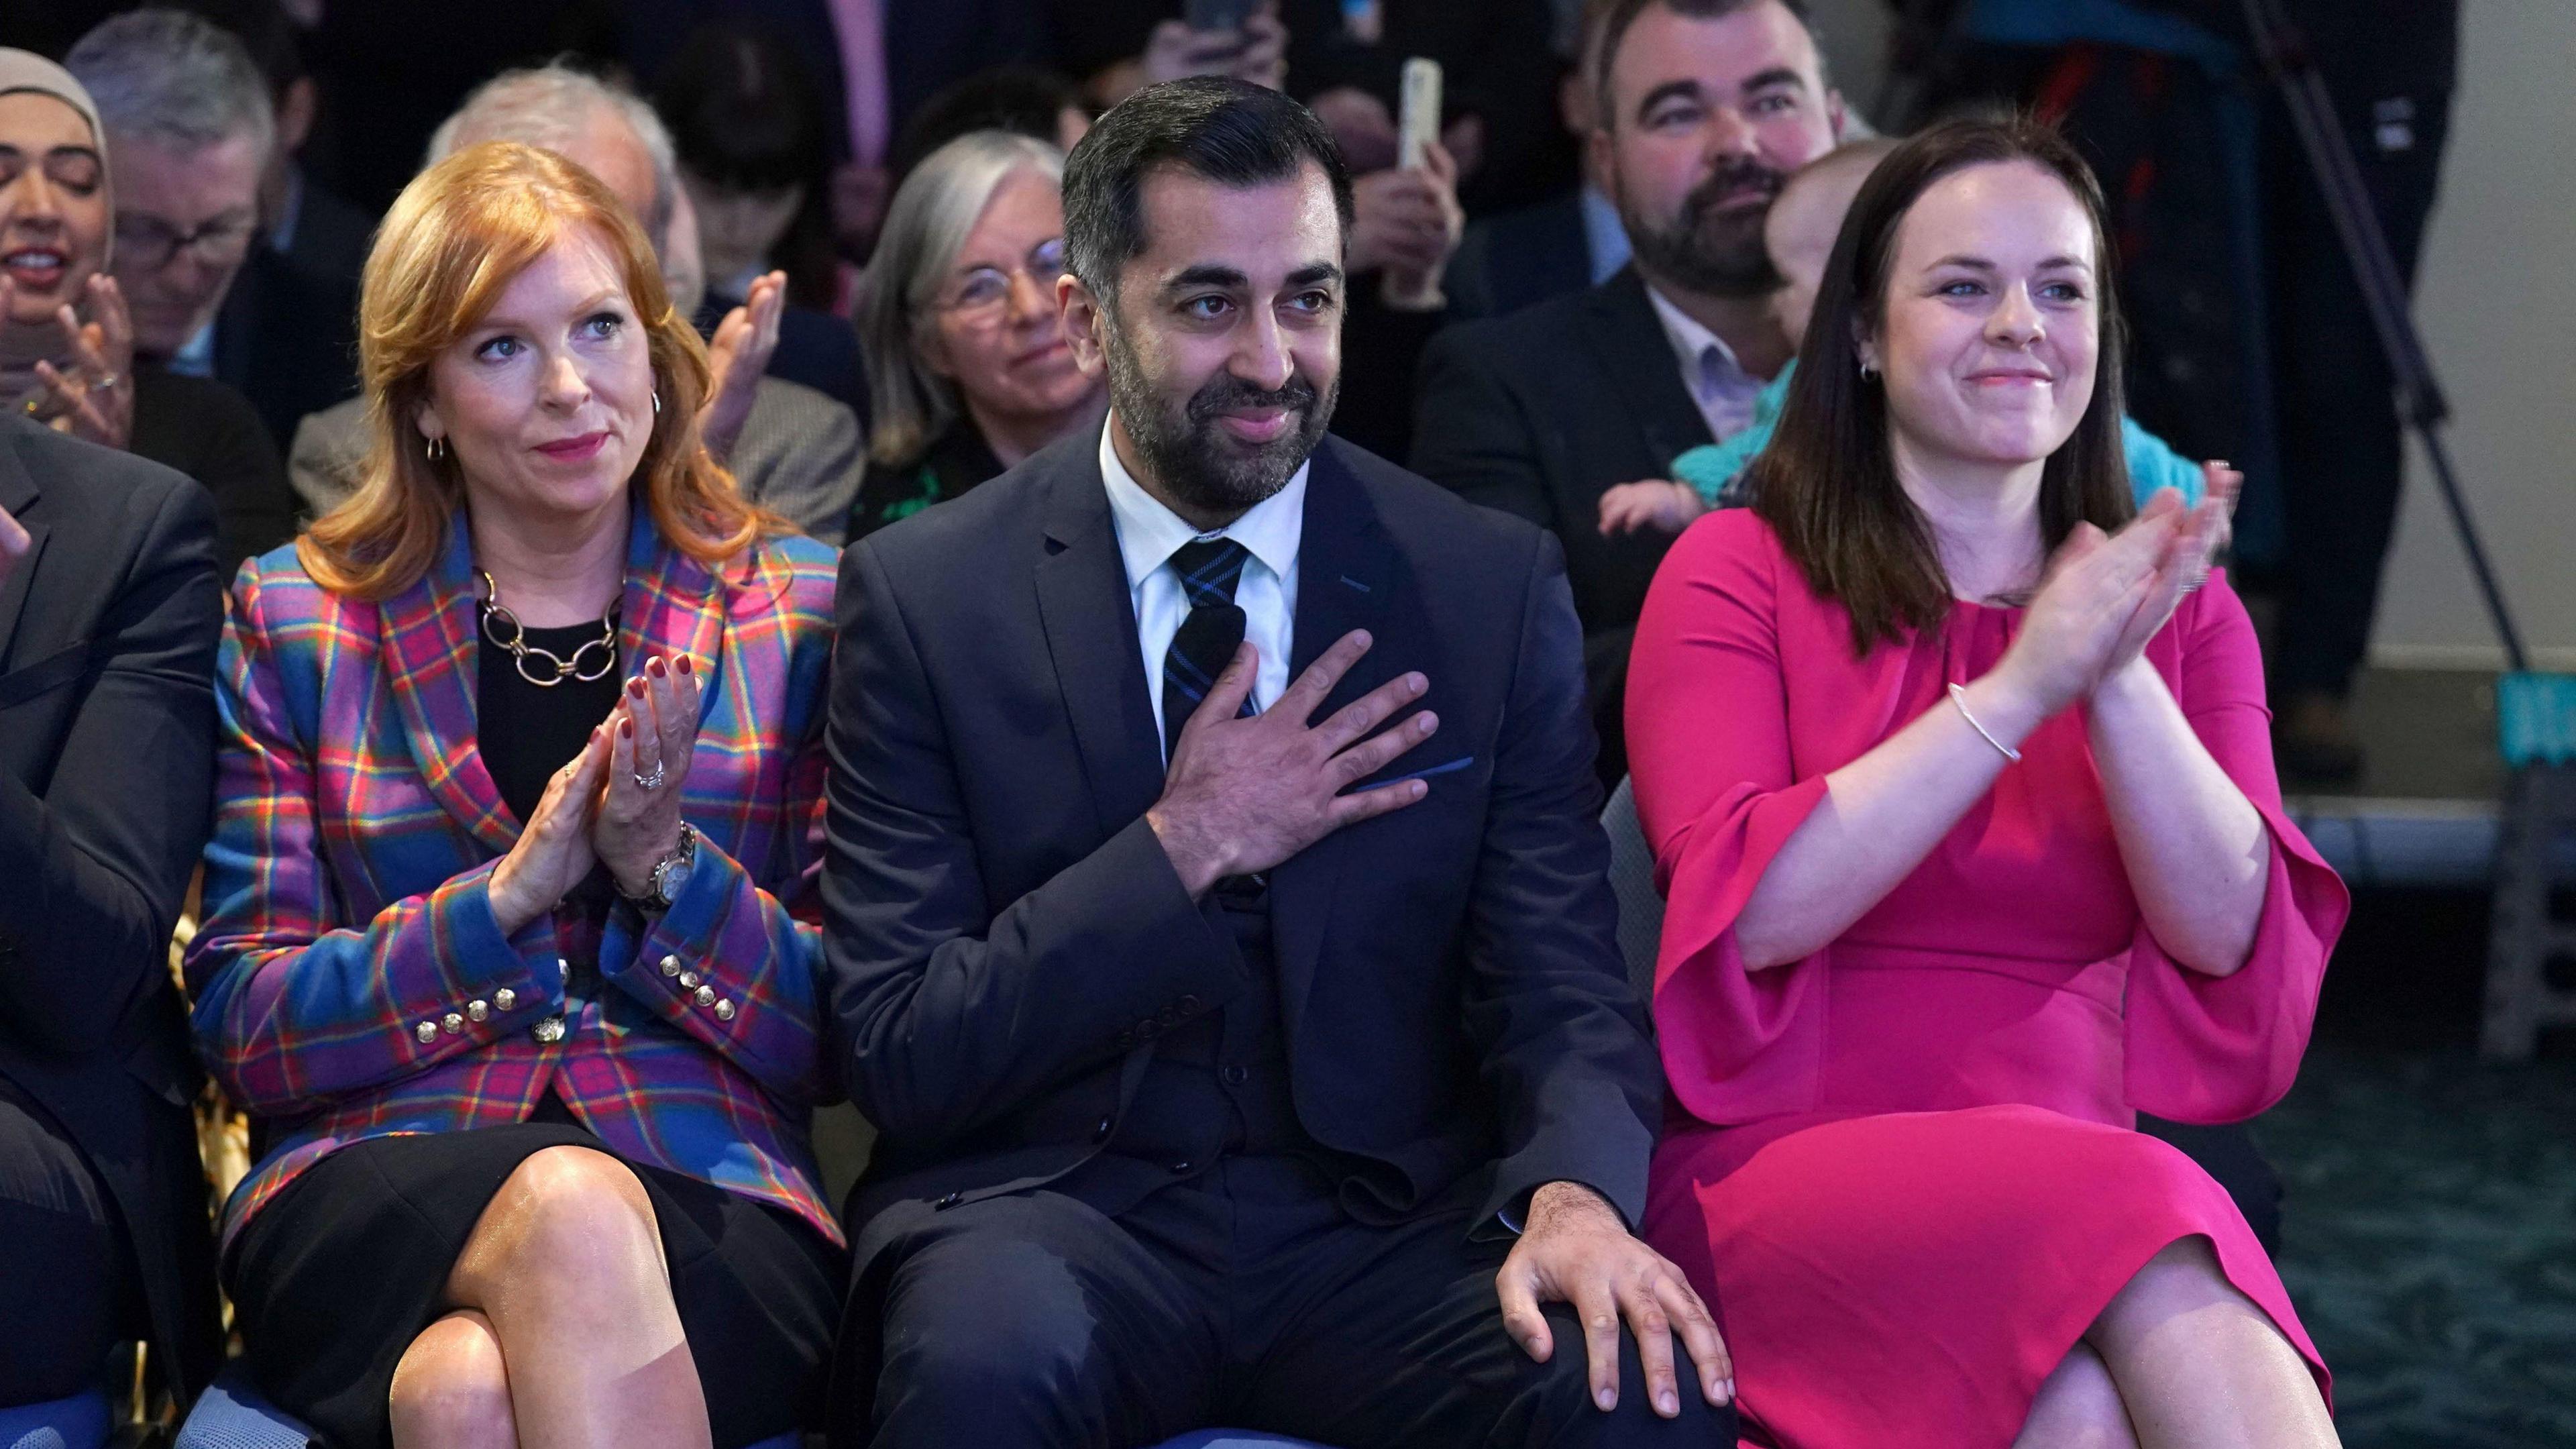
<point x="1007" y="938"/>
<point x="210" y="432"/>
<point x="287" y="337"/>
<point x="1517" y="259"/>
<point x="1538" y="414"/>
<point x="107" y="748"/>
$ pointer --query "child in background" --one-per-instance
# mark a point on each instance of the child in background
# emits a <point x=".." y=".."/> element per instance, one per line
<point x="1799" y="233"/>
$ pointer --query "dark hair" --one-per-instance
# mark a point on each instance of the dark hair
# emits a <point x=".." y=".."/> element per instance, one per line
<point x="1025" y="100"/>
<point x="1231" y="132"/>
<point x="743" y="113"/>
<point x="263" y="28"/>
<point x="1827" y="483"/>
<point x="1607" y="23"/>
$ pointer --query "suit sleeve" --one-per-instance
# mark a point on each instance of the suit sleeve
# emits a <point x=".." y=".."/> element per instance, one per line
<point x="1562" y="1033"/>
<point x="954" y="1012"/>
<point x="291" y="1011"/>
<point x="96" y="865"/>
<point x="1471" y="436"/>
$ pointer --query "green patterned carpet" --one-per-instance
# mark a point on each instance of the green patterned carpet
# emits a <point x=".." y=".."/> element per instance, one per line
<point x="2430" y="1243"/>
<point x="2430" y="1225"/>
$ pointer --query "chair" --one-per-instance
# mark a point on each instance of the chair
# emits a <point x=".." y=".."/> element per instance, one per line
<point x="1632" y="880"/>
<point x="79" y="1422"/>
<point x="230" y="1414"/>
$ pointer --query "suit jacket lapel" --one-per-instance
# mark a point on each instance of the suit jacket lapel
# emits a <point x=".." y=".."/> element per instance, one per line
<point x="1628" y="339"/>
<point x="428" y="643"/>
<point x="18" y="494"/>
<point x="1090" y="624"/>
<point x="1345" y="574"/>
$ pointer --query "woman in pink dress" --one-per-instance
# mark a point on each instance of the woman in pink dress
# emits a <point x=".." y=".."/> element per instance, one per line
<point x="1959" y="786"/>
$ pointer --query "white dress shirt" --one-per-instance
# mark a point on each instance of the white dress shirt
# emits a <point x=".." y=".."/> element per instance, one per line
<point x="1721" y="387"/>
<point x="1148" y="533"/>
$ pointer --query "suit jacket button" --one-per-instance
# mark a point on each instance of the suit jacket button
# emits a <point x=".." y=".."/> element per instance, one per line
<point x="505" y="998"/>
<point x="670" y="965"/>
<point x="1101" y="1132"/>
<point x="426" y="1032"/>
<point x="1236" y="1076"/>
<point x="706" y="996"/>
<point x="950" y="1201"/>
<point x="689" y="980"/>
<point x="1189" y="1003"/>
<point x="478" y="1011"/>
<point x="1180" y="1167"/>
<point x="548" y="1031"/>
<point x="1169" y="1016"/>
<point x="453" y="1021"/>
<point x="724" y="1010"/>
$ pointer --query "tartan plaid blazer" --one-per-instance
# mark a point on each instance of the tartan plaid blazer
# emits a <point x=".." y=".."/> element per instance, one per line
<point x="350" y="978"/>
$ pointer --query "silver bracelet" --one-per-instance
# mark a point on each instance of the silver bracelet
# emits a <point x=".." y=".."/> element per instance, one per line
<point x="1959" y="697"/>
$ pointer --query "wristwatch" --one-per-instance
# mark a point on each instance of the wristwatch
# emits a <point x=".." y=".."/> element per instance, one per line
<point x="668" y="873"/>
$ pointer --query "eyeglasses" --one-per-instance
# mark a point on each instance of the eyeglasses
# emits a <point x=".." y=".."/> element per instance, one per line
<point x="151" y="243"/>
<point x="981" y="295"/>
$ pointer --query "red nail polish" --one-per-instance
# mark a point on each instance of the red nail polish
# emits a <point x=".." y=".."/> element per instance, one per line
<point x="626" y="727"/>
<point x="635" y="687"/>
<point x="684" y="665"/>
<point x="658" y="668"/>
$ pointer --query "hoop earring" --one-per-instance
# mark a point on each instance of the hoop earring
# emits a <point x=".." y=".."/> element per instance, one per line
<point x="434" y="449"/>
<point x="1868" y="373"/>
<point x="657" y="402"/>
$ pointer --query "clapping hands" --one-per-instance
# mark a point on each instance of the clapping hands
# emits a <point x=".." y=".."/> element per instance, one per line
<point x="598" y="809"/>
<point x="94" y="400"/>
<point x="740" y="353"/>
<point x="2104" y="596"/>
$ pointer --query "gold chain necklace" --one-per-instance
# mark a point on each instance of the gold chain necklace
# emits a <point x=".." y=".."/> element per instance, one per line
<point x="515" y="642"/>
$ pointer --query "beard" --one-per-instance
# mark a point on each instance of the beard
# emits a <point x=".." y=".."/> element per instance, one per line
<point x="1715" y="253"/>
<point x="1184" y="446"/>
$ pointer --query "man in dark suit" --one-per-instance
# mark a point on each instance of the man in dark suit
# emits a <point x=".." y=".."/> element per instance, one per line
<point x="1233" y="1039"/>
<point x="108" y="613"/>
<point x="1705" y="107"/>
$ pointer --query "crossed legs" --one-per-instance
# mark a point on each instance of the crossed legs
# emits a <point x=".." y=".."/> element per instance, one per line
<point x="2180" y="1358"/>
<point x="564" y="1332"/>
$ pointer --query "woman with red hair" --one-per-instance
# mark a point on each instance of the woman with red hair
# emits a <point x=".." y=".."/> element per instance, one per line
<point x="509" y="929"/>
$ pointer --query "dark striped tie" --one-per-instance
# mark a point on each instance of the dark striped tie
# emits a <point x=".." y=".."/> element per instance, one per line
<point x="1209" y="633"/>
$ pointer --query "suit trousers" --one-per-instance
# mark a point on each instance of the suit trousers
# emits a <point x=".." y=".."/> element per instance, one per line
<point x="1244" y="1296"/>
<point x="65" y="1289"/>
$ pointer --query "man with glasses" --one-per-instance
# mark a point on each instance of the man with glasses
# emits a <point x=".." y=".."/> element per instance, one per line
<point x="188" y="128"/>
<point x="188" y="133"/>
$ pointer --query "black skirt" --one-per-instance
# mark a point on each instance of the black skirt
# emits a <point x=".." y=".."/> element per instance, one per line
<point x="333" y="1279"/>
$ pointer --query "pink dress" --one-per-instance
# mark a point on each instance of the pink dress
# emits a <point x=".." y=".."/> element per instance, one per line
<point x="1904" y="1170"/>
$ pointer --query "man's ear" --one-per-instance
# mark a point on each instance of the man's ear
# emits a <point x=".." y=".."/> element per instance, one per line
<point x="1085" y="325"/>
<point x="1604" y="154"/>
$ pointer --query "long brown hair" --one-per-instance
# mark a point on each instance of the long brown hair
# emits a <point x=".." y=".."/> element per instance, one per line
<point x="1827" y="482"/>
<point x="456" y="237"/>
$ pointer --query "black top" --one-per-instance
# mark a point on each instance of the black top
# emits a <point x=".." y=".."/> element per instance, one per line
<point x="526" y="731"/>
<point x="959" y="460"/>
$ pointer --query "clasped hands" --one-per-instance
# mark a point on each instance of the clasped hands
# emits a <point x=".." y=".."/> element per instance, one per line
<point x="2102" y="598"/>
<point x="598" y="810"/>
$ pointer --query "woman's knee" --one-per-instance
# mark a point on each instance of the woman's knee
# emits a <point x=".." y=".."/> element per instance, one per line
<point x="451" y="1390"/>
<point x="2183" y="1278"/>
<point x="2078" y="1407"/>
<point x="567" y="1211"/>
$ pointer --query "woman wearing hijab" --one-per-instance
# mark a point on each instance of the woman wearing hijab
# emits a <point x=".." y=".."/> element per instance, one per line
<point x="66" y="346"/>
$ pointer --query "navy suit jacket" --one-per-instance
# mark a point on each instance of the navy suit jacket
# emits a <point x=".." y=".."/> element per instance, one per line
<point x="107" y="765"/>
<point x="1007" y="937"/>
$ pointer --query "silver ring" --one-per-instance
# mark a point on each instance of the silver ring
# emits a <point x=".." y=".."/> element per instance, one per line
<point x="650" y="782"/>
<point x="107" y="381"/>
